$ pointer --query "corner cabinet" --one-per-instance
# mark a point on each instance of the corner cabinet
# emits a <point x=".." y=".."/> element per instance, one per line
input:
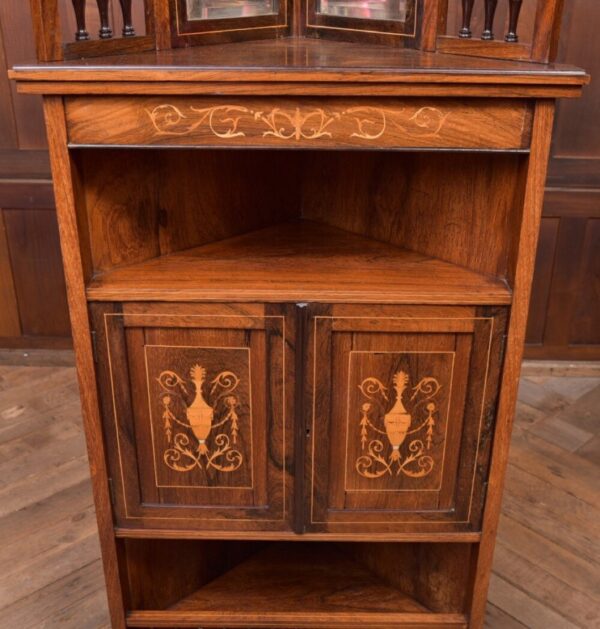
<point x="298" y="275"/>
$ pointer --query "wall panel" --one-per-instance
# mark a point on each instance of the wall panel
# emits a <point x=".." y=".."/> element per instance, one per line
<point x="585" y="326"/>
<point x="570" y="273"/>
<point x="33" y="246"/>
<point x="564" y="318"/>
<point x="8" y="135"/>
<point x="540" y="293"/>
<point x="17" y="36"/>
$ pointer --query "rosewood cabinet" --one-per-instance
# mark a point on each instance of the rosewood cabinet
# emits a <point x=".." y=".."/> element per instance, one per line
<point x="298" y="274"/>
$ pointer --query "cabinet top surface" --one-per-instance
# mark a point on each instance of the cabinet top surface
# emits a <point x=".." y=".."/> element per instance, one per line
<point x="300" y="60"/>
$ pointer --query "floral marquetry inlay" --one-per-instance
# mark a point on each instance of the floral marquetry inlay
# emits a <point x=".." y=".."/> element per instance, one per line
<point x="222" y="121"/>
<point x="298" y="123"/>
<point x="210" y="411"/>
<point x="373" y="122"/>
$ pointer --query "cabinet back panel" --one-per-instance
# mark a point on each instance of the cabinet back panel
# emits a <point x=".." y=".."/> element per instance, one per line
<point x="160" y="572"/>
<point x="437" y="575"/>
<point x="392" y="197"/>
<point x="193" y="198"/>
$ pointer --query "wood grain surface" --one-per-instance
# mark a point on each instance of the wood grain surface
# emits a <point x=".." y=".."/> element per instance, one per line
<point x="501" y="124"/>
<point x="75" y="276"/>
<point x="447" y="358"/>
<point x="310" y="260"/>
<point x="473" y="216"/>
<point x="522" y="276"/>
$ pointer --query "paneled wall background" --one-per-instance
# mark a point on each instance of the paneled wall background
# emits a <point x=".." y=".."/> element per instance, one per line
<point x="33" y="311"/>
<point x="564" y="321"/>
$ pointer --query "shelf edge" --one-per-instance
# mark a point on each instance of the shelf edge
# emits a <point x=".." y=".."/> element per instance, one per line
<point x="458" y="537"/>
<point x="303" y="620"/>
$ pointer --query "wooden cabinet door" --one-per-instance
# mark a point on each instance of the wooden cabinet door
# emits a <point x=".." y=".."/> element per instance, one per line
<point x="400" y="414"/>
<point x="196" y="405"/>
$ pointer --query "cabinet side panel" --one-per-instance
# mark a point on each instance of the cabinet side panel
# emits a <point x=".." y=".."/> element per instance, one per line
<point x="527" y="242"/>
<point x="74" y="275"/>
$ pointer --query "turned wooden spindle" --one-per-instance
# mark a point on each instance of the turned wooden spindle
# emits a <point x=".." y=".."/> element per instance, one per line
<point x="128" y="30"/>
<point x="467" y="12"/>
<point x="81" y="34"/>
<point x="490" y="12"/>
<point x="105" y="30"/>
<point x="514" y="8"/>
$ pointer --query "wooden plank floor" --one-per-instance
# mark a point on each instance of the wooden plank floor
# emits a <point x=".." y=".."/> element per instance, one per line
<point x="546" y="567"/>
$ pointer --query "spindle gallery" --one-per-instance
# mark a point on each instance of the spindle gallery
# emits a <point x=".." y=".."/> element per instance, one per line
<point x="298" y="238"/>
<point x="490" y="14"/>
<point x="105" y="32"/>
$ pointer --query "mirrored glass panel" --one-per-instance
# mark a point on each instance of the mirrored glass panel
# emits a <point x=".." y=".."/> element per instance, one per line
<point x="397" y="10"/>
<point x="220" y="9"/>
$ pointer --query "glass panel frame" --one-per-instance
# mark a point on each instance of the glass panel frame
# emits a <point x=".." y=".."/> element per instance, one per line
<point x="217" y="27"/>
<point x="387" y="10"/>
<point x="372" y="28"/>
<point x="227" y="9"/>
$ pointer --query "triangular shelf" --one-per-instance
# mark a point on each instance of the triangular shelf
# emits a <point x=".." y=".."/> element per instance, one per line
<point x="299" y="261"/>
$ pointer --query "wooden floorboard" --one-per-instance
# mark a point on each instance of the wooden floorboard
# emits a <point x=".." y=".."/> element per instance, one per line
<point x="546" y="567"/>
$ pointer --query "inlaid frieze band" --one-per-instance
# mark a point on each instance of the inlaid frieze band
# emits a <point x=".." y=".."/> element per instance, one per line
<point x="299" y="123"/>
<point x="245" y="121"/>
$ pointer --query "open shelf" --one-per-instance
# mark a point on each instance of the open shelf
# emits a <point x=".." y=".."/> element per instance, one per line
<point x="299" y="585"/>
<point x="299" y="260"/>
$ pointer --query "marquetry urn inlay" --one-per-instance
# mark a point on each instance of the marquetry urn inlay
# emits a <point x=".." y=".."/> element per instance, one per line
<point x="381" y="447"/>
<point x="209" y="412"/>
<point x="397" y="419"/>
<point x="201" y="416"/>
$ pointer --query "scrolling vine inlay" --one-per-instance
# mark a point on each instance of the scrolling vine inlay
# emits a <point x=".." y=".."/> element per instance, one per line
<point x="382" y="458"/>
<point x="298" y="123"/>
<point x="205" y="412"/>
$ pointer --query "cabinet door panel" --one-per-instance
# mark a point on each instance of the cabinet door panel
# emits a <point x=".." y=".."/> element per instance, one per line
<point x="402" y="402"/>
<point x="195" y="406"/>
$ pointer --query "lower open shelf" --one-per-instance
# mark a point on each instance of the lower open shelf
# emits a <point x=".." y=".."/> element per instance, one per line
<point x="298" y="585"/>
<point x="295" y="261"/>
